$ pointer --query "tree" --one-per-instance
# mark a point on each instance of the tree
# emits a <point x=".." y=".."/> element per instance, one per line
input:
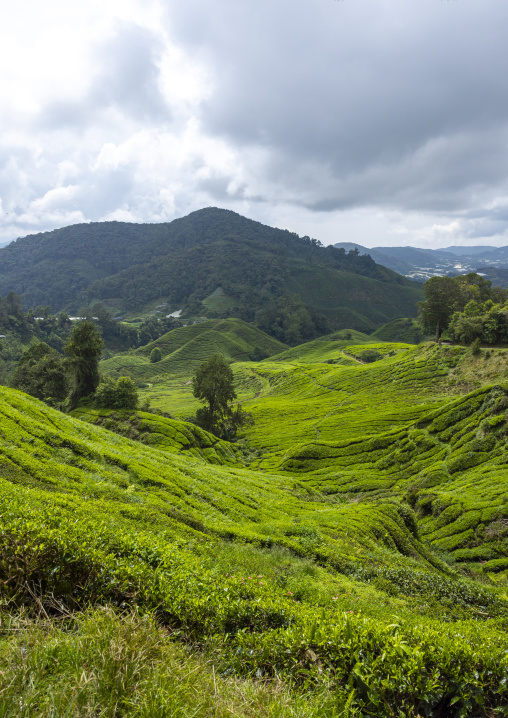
<point x="213" y="384"/>
<point x="84" y="347"/>
<point x="41" y="372"/>
<point x="155" y="355"/>
<point x="442" y="298"/>
<point x="120" y="394"/>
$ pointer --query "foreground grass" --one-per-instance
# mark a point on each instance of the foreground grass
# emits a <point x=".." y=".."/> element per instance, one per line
<point x="107" y="664"/>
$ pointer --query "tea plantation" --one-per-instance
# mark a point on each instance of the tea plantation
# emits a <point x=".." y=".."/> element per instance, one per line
<point x="347" y="557"/>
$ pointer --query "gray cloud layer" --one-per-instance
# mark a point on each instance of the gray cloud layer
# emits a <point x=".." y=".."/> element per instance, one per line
<point x="402" y="103"/>
<point x="397" y="109"/>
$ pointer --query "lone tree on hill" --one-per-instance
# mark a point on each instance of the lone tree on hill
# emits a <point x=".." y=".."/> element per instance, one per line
<point x="213" y="384"/>
<point x="84" y="348"/>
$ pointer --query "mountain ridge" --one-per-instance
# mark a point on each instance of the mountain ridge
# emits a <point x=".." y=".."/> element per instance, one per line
<point x="180" y="264"/>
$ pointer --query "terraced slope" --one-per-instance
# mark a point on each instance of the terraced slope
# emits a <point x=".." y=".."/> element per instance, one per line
<point x="163" y="433"/>
<point x="399" y="330"/>
<point x="184" y="349"/>
<point x="297" y="403"/>
<point x="325" y="349"/>
<point x="154" y="525"/>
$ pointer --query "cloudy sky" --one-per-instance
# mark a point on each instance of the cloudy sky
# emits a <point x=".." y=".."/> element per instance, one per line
<point x="383" y="122"/>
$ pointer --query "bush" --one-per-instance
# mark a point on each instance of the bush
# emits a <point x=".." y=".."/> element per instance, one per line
<point x="370" y="355"/>
<point x="121" y="394"/>
<point x="476" y="347"/>
<point x="155" y="355"/>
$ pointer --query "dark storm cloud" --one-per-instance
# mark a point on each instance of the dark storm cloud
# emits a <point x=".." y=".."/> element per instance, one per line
<point x="126" y="79"/>
<point x="401" y="103"/>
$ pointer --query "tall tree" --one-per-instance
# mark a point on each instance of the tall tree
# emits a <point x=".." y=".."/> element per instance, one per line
<point x="213" y="384"/>
<point x="84" y="347"/>
<point x="442" y="298"/>
<point x="42" y="373"/>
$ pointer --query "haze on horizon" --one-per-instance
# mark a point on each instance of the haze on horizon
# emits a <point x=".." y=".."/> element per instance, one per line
<point x="354" y="121"/>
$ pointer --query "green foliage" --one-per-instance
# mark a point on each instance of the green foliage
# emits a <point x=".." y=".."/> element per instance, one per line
<point x="442" y="299"/>
<point x="476" y="347"/>
<point x="120" y="394"/>
<point x="42" y="372"/>
<point x="399" y="330"/>
<point x="213" y="384"/>
<point x="369" y="355"/>
<point x="155" y="355"/>
<point x="84" y="348"/>
<point x="290" y="322"/>
<point x="320" y="575"/>
<point x="184" y="349"/>
<point x="182" y="263"/>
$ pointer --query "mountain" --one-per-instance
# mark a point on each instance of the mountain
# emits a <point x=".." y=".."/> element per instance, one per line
<point x="497" y="275"/>
<point x="212" y="262"/>
<point x="420" y="264"/>
<point x="468" y="251"/>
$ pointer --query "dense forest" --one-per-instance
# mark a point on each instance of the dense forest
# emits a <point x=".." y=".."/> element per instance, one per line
<point x="184" y="263"/>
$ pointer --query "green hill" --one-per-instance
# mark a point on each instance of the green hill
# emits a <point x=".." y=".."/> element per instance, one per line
<point x="399" y="330"/>
<point x="184" y="349"/>
<point x="213" y="260"/>
<point x="324" y="349"/>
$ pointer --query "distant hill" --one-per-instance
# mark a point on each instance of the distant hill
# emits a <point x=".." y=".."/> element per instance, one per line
<point x="399" y="330"/>
<point x="184" y="349"/>
<point x="420" y="264"/>
<point x="327" y="349"/>
<point x="462" y="251"/>
<point x="497" y="275"/>
<point x="191" y="261"/>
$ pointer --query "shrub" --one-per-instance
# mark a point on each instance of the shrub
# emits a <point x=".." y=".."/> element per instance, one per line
<point x="475" y="347"/>
<point x="370" y="355"/>
<point x="121" y="394"/>
<point x="155" y="355"/>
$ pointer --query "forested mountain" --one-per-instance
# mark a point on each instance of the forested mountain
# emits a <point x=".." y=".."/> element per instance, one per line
<point x="210" y="252"/>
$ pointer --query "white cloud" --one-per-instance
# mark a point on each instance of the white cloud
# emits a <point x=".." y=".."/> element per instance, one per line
<point x="372" y="122"/>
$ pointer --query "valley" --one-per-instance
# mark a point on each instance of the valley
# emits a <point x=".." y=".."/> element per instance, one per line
<point x="366" y="494"/>
<point x="346" y="555"/>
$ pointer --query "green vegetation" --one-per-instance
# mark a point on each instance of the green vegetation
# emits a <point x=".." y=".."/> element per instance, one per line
<point x="42" y="372"/>
<point x="468" y="304"/>
<point x="184" y="349"/>
<point x="84" y="349"/>
<point x="348" y="556"/>
<point x="352" y="550"/>
<point x="155" y="355"/>
<point x="120" y="394"/>
<point x="399" y="330"/>
<point x="269" y="575"/>
<point x="211" y="263"/>
<point x="213" y="385"/>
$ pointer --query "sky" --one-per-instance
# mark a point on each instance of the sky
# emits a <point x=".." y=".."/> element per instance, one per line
<point x="380" y="123"/>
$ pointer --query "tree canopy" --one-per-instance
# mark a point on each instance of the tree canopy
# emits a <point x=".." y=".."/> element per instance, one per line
<point x="442" y="298"/>
<point x="41" y="372"/>
<point x="84" y="348"/>
<point x="213" y="384"/>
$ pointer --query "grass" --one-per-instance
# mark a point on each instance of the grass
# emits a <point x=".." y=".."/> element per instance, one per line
<point x="357" y="566"/>
<point x="110" y="664"/>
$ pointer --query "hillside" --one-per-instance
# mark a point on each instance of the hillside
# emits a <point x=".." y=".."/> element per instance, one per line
<point x="188" y="262"/>
<point x="185" y="348"/>
<point x="274" y="576"/>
